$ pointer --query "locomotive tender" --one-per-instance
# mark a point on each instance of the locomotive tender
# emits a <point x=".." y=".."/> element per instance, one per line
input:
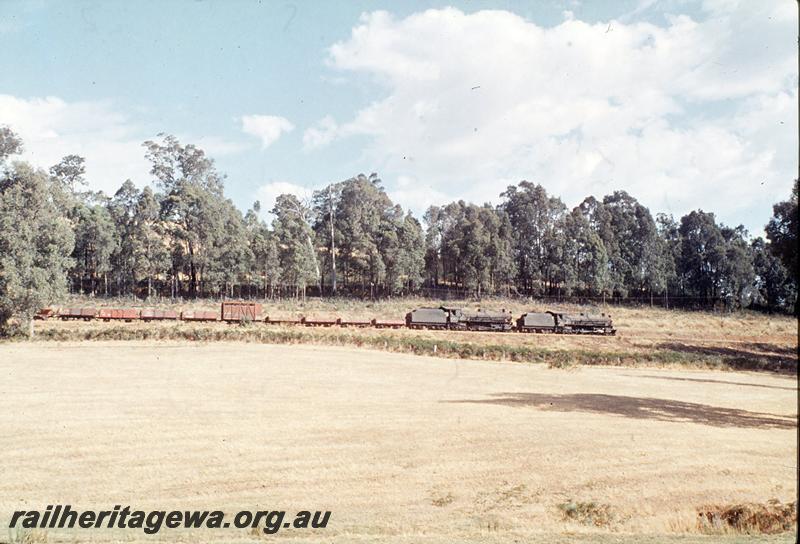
<point x="441" y="318"/>
<point x="446" y="317"/>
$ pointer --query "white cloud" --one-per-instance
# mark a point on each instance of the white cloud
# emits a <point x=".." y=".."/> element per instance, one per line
<point x="111" y="143"/>
<point x="680" y="115"/>
<point x="327" y="130"/>
<point x="51" y="128"/>
<point x="321" y="134"/>
<point x="268" y="128"/>
<point x="269" y="192"/>
<point x="413" y="195"/>
<point x="214" y="146"/>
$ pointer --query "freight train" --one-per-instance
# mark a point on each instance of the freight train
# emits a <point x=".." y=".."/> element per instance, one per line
<point x="441" y="318"/>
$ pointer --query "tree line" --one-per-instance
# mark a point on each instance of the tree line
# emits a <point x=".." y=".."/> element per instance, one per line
<point x="184" y="238"/>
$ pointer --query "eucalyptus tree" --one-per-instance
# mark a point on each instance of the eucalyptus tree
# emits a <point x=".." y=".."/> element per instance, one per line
<point x="669" y="233"/>
<point x="452" y="243"/>
<point x="293" y="234"/>
<point x="95" y="243"/>
<point x="231" y="256"/>
<point x="122" y="208"/>
<point x="474" y="242"/>
<point x="69" y="172"/>
<point x="67" y="186"/>
<point x="434" y="221"/>
<point x="10" y="144"/>
<point x="702" y="254"/>
<point x="265" y="264"/>
<point x="470" y="247"/>
<point x="271" y="263"/>
<point x="150" y="252"/>
<point x="387" y="240"/>
<point x="325" y="209"/>
<point x="192" y="203"/>
<point x="411" y="259"/>
<point x="35" y="242"/>
<point x="502" y="268"/>
<point x="635" y="254"/>
<point x="782" y="231"/>
<point x="535" y="217"/>
<point x="775" y="289"/>
<point x="738" y="275"/>
<point x="366" y="217"/>
<point x="585" y="260"/>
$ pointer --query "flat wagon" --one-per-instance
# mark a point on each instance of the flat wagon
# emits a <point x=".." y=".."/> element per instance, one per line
<point x="283" y="321"/>
<point x="199" y="315"/>
<point x="87" y="314"/>
<point x="153" y="314"/>
<point x="319" y="322"/>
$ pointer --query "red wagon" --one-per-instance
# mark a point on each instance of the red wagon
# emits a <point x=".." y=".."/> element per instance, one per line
<point x="381" y="324"/>
<point x="360" y="324"/>
<point x="86" y="314"/>
<point x="239" y="312"/>
<point x="124" y="314"/>
<point x="199" y="315"/>
<point x="45" y="313"/>
<point x="152" y="314"/>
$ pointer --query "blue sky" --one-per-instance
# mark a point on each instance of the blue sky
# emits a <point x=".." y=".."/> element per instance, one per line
<point x="683" y="104"/>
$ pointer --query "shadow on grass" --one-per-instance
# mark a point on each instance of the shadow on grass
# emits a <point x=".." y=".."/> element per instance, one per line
<point x="709" y="380"/>
<point x="764" y="347"/>
<point x="749" y="356"/>
<point x="640" y="408"/>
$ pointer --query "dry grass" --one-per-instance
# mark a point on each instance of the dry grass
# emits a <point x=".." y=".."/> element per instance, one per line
<point x="401" y="448"/>
<point x="27" y="536"/>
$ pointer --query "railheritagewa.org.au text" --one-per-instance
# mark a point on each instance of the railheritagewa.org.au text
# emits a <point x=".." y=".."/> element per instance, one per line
<point x="152" y="521"/>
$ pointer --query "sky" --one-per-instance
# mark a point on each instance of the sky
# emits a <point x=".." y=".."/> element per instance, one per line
<point x="684" y="104"/>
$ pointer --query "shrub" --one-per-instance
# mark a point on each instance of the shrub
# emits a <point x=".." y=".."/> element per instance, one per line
<point x="769" y="518"/>
<point x="587" y="513"/>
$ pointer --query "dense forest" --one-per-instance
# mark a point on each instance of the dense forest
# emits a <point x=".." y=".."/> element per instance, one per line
<point x="184" y="238"/>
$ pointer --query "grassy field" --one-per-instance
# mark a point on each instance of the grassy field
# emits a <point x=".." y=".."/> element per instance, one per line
<point x="646" y="336"/>
<point x="401" y="448"/>
<point x="608" y="439"/>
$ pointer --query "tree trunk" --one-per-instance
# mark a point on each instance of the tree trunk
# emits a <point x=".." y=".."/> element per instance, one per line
<point x="333" y="245"/>
<point x="192" y="273"/>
